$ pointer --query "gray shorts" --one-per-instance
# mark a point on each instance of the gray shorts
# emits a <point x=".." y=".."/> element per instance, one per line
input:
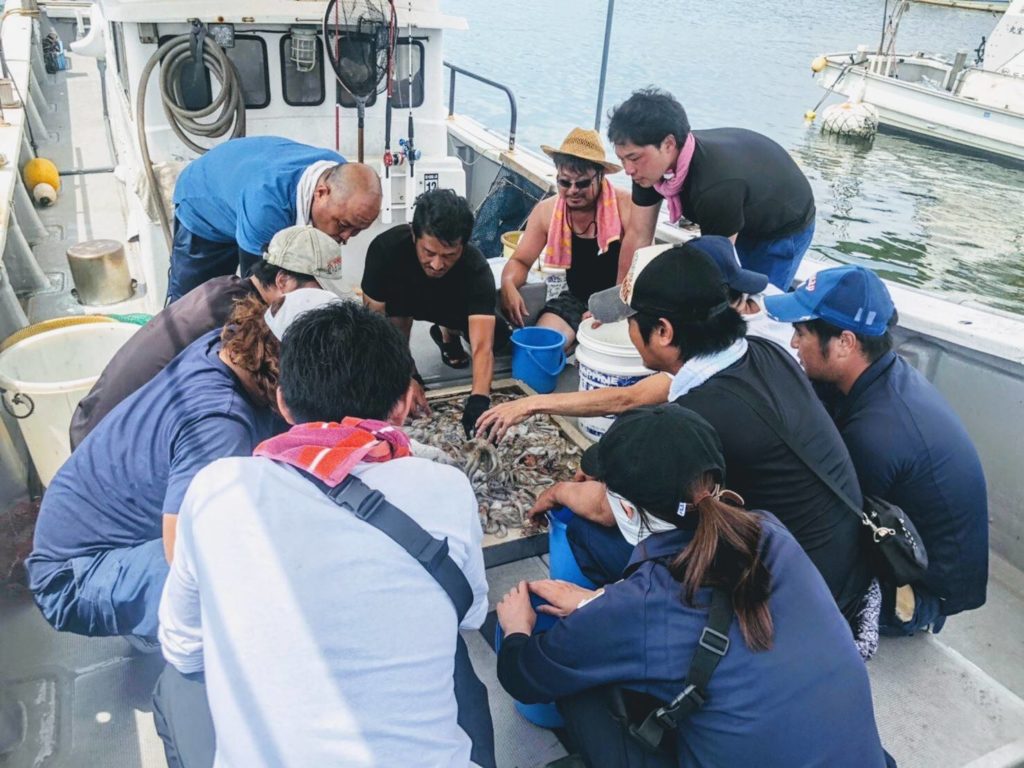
<point x="567" y="307"/>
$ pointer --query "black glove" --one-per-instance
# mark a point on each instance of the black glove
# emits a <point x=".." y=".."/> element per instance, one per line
<point x="474" y="409"/>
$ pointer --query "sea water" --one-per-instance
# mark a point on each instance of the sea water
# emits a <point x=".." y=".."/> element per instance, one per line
<point x="922" y="215"/>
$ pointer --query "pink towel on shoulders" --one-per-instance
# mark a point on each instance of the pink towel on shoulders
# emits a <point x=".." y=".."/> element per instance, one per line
<point x="670" y="186"/>
<point x="330" y="450"/>
<point x="558" y="251"/>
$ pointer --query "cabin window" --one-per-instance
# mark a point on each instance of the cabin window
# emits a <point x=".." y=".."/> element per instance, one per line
<point x="301" y="89"/>
<point x="250" y="59"/>
<point x="408" y="91"/>
<point x="403" y="86"/>
<point x="194" y="80"/>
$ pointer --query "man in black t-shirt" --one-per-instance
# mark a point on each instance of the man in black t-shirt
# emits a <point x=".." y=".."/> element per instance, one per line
<point x="429" y="271"/>
<point x="681" y="323"/>
<point x="729" y="181"/>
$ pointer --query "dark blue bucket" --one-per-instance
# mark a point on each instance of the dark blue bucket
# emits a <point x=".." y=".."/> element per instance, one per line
<point x="544" y="715"/>
<point x="538" y="356"/>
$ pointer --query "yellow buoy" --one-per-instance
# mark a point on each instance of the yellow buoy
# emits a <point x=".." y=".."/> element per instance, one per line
<point x="809" y="115"/>
<point x="819" y="64"/>
<point x="42" y="180"/>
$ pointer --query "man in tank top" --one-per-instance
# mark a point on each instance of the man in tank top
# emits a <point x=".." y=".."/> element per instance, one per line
<point x="579" y="230"/>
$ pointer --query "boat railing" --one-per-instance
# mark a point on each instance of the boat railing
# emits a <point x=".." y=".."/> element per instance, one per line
<point x="457" y="70"/>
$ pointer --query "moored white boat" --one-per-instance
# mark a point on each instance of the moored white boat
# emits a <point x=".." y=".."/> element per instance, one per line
<point x="978" y="106"/>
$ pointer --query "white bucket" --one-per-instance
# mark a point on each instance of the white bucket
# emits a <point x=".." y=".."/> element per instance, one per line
<point x="45" y="376"/>
<point x="606" y="358"/>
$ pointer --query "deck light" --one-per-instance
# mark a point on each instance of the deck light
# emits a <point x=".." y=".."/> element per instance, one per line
<point x="304" y="44"/>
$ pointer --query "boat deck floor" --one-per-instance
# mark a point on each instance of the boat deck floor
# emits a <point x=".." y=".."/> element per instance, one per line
<point x="954" y="699"/>
<point x="942" y="701"/>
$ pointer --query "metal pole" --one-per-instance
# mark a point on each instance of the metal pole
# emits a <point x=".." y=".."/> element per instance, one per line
<point x="604" y="64"/>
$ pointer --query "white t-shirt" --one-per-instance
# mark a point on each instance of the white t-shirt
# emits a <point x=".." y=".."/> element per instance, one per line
<point x="762" y="326"/>
<point x="324" y="643"/>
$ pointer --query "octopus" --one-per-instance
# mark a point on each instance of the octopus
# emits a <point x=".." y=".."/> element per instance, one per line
<point x="506" y="477"/>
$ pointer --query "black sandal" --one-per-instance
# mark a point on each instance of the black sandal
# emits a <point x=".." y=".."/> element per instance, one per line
<point x="452" y="352"/>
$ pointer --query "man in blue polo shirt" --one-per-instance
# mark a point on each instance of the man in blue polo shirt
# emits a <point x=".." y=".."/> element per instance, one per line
<point x="230" y="202"/>
<point x="907" y="444"/>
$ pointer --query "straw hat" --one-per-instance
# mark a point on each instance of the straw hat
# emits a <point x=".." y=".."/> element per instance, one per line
<point x="586" y="145"/>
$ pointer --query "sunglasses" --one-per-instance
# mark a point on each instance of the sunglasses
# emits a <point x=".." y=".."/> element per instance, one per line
<point x="580" y="184"/>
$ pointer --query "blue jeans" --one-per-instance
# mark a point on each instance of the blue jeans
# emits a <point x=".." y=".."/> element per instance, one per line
<point x="778" y="259"/>
<point x="194" y="260"/>
<point x="116" y="592"/>
<point x="601" y="552"/>
<point x="927" y="615"/>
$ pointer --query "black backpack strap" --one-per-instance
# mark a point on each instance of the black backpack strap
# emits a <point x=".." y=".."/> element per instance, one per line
<point x="370" y="506"/>
<point x="769" y="418"/>
<point x="712" y="645"/>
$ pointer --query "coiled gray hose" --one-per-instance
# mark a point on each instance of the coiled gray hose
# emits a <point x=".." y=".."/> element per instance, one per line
<point x="230" y="103"/>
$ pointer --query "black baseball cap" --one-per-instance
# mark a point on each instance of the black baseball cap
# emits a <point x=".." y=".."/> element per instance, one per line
<point x="682" y="281"/>
<point x="651" y="455"/>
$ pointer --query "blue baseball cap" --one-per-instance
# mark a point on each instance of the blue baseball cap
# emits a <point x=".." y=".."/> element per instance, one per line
<point x="852" y="298"/>
<point x="723" y="253"/>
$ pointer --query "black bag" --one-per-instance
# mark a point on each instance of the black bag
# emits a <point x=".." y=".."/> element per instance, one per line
<point x="900" y="556"/>
<point x="897" y="552"/>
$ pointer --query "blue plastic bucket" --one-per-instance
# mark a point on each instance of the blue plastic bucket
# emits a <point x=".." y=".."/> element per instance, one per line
<point x="544" y="715"/>
<point x="562" y="561"/>
<point x="538" y="356"/>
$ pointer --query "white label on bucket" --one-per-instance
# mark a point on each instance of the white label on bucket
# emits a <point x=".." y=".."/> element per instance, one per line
<point x="596" y="426"/>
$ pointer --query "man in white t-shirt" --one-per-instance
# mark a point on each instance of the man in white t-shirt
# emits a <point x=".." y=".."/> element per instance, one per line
<point x="323" y="641"/>
<point x="745" y="293"/>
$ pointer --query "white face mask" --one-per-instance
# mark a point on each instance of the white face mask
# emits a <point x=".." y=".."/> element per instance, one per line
<point x="633" y="526"/>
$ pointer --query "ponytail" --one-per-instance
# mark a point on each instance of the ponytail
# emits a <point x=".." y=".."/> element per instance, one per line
<point x="253" y="347"/>
<point x="725" y="552"/>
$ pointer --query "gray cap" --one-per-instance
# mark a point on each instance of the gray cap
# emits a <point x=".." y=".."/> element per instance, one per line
<point x="307" y="251"/>
<point x="613" y="304"/>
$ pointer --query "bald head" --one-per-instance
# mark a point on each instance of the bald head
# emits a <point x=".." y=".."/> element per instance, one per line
<point x="346" y="200"/>
<point x="353" y="178"/>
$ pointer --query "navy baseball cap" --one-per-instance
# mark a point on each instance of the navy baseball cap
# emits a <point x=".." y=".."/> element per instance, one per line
<point x="723" y="252"/>
<point x="681" y="281"/>
<point x="852" y="298"/>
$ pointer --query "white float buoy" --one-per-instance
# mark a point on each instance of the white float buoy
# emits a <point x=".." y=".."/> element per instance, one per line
<point x="45" y="195"/>
<point x="855" y="119"/>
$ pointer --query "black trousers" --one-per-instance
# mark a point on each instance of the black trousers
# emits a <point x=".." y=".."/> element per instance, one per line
<point x="182" y="716"/>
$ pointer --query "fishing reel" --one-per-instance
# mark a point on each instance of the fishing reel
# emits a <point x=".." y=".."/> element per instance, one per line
<point x="409" y="150"/>
<point x="394" y="159"/>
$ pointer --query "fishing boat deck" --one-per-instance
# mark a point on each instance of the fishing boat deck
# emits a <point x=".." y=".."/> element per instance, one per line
<point x="956" y="699"/>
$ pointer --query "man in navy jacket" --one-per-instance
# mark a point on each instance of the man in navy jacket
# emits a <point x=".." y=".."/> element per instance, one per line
<point x="907" y="444"/>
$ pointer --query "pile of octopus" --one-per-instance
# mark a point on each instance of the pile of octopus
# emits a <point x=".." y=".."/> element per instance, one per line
<point x="243" y="498"/>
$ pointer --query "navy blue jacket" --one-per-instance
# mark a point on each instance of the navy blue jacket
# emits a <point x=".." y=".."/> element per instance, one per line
<point x="911" y="449"/>
<point x="804" y="702"/>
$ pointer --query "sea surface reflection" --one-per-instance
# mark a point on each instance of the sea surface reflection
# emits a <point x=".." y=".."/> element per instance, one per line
<point x="919" y="214"/>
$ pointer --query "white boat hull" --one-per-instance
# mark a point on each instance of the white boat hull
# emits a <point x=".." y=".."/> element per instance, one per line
<point x="932" y="113"/>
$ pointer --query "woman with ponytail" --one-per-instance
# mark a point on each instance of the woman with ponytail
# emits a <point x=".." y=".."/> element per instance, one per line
<point x="790" y="688"/>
